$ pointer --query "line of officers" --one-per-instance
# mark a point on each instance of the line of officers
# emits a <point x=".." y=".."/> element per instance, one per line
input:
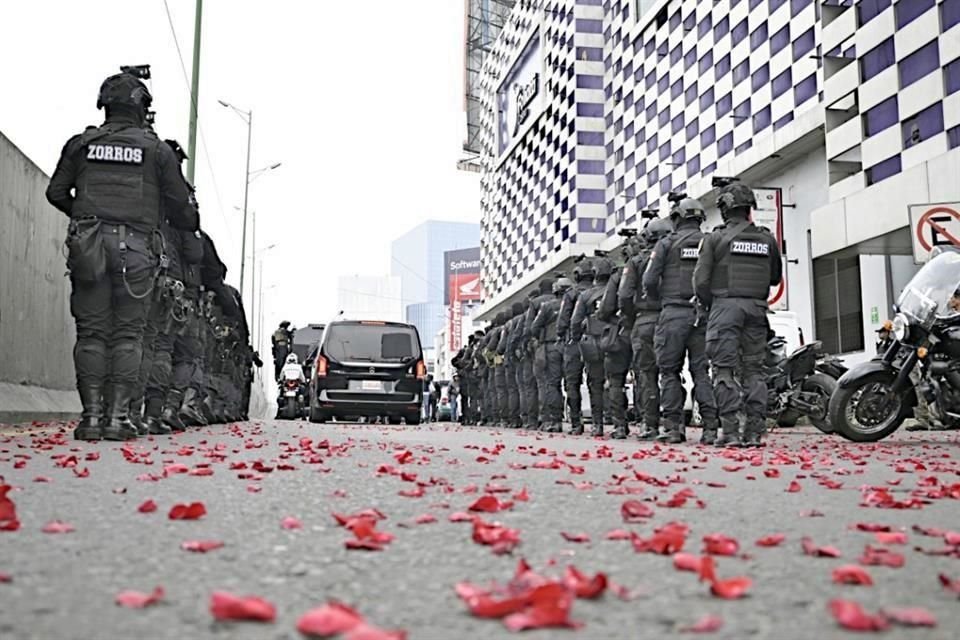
<point x="162" y="340"/>
<point x="682" y="295"/>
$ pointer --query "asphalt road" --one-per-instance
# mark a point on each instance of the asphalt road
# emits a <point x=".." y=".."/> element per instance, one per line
<point x="63" y="585"/>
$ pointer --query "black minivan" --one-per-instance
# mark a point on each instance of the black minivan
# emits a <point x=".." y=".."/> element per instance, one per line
<point x="370" y="369"/>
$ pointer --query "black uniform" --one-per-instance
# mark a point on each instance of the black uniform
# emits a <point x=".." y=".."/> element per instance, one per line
<point x="531" y="384"/>
<point x="617" y="355"/>
<point x="512" y="367"/>
<point x="586" y="329"/>
<point x="548" y="365"/>
<point x="737" y="265"/>
<point x="188" y="349"/>
<point x="282" y="346"/>
<point x="572" y="360"/>
<point x="122" y="178"/>
<point x="642" y="311"/>
<point x="669" y="276"/>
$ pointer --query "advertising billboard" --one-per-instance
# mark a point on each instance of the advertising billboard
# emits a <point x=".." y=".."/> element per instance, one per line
<point x="461" y="269"/>
<point x="520" y="98"/>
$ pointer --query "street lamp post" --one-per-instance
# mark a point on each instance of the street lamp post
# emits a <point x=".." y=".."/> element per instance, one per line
<point x="255" y="304"/>
<point x="247" y="117"/>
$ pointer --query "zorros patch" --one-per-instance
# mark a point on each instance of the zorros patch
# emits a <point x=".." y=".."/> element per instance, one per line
<point x="114" y="153"/>
<point x="743" y="247"/>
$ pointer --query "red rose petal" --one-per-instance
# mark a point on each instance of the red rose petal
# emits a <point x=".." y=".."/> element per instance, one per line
<point x="137" y="600"/>
<point x="706" y="624"/>
<point x="773" y="540"/>
<point x="8" y="510"/>
<point x="731" y="588"/>
<point x="328" y="620"/>
<point x="891" y="537"/>
<point x="635" y="511"/>
<point x="193" y="511"/>
<point x="810" y="549"/>
<point x="575" y="537"/>
<point x="226" y="606"/>
<point x="686" y="562"/>
<point x="200" y="546"/>
<point x="582" y="586"/>
<point x="368" y="632"/>
<point x="618" y="534"/>
<point x="911" y="617"/>
<point x="548" y="606"/>
<point x="852" y="574"/>
<point x="794" y="487"/>
<point x="851" y="615"/>
<point x="489" y="504"/>
<point x="427" y="518"/>
<point x="949" y="584"/>
<point x="718" y="544"/>
<point x="881" y="556"/>
<point x="290" y="523"/>
<point x="57" y="526"/>
<point x="147" y="507"/>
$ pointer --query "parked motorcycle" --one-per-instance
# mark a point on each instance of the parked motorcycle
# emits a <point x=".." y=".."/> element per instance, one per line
<point x="874" y="398"/>
<point x="800" y="384"/>
<point x="292" y="399"/>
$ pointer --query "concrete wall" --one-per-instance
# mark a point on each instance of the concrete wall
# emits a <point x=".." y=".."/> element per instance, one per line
<point x="36" y="329"/>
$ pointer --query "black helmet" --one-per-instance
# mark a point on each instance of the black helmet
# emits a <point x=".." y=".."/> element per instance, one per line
<point x="583" y="270"/>
<point x="177" y="150"/>
<point x="124" y="89"/>
<point x="603" y="267"/>
<point x="562" y="285"/>
<point x="546" y="285"/>
<point x="691" y="209"/>
<point x="501" y="318"/>
<point x="517" y="308"/>
<point x="735" y="195"/>
<point x="656" y="229"/>
<point x="285" y="324"/>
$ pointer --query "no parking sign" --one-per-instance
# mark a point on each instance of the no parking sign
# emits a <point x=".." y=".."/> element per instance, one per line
<point x="934" y="225"/>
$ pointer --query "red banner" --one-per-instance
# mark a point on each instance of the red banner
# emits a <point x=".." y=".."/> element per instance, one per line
<point x="464" y="287"/>
<point x="456" y="327"/>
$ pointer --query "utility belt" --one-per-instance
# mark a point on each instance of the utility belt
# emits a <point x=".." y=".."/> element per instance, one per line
<point x="87" y="256"/>
<point x="596" y="326"/>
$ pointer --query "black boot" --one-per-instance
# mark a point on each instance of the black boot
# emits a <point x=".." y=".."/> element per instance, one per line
<point x="91" y="421"/>
<point x="171" y="411"/>
<point x="119" y="426"/>
<point x="597" y="430"/>
<point x="672" y="434"/>
<point x="190" y="413"/>
<point x="576" y="429"/>
<point x="648" y="432"/>
<point x="620" y="432"/>
<point x="753" y="433"/>
<point x="156" y="426"/>
<point x="136" y="417"/>
<point x="709" y="435"/>
<point x="730" y="433"/>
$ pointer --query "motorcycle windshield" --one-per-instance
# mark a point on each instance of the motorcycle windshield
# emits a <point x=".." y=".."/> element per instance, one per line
<point x="932" y="293"/>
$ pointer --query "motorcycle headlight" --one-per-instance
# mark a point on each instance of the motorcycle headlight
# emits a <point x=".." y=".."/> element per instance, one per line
<point x="901" y="327"/>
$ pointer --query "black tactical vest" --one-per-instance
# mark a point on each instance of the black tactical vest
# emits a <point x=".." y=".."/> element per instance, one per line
<point x="117" y="178"/>
<point x="742" y="269"/>
<point x="550" y="307"/>
<point x="642" y="303"/>
<point x="592" y="299"/>
<point x="676" y="285"/>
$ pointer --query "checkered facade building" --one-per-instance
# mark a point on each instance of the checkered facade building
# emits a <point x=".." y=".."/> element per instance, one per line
<point x="648" y="96"/>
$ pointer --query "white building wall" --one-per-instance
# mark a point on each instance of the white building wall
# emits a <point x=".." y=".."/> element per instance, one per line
<point x="370" y="298"/>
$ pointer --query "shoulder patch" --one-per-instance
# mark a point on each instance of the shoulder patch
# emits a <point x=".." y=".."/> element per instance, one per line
<point x="115" y="153"/>
<point x="690" y="253"/>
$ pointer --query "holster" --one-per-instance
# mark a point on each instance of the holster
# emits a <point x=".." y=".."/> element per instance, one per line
<point x="86" y="256"/>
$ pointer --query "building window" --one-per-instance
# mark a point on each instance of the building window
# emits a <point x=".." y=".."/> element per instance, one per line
<point x="776" y="4"/>
<point x="725" y="145"/>
<point x="746" y="145"/>
<point x="722" y="28"/>
<point x="949" y="14"/>
<point x="722" y="67"/>
<point x="704" y="27"/>
<point x="663" y="118"/>
<point x="758" y="37"/>
<point x="953" y="138"/>
<point x="675" y="54"/>
<point x="663" y="83"/>
<point x="796" y="6"/>
<point x="909" y="10"/>
<point x="693" y="166"/>
<point x="867" y="10"/>
<point x="706" y="62"/>
<point x="883" y="170"/>
<point x="838" y="304"/>
<point x="706" y="99"/>
<point x="880" y="117"/>
<point x="740" y="32"/>
<point x="951" y="77"/>
<point x="742" y="112"/>
<point x="762" y="119"/>
<point x="724" y="104"/>
<point x="782" y="83"/>
<point x="805" y="90"/>
<point x="877" y="59"/>
<point x="677" y="124"/>
<point x="741" y="72"/>
<point x="692" y="130"/>
<point x="665" y="151"/>
<point x="675" y="20"/>
<point x="690" y="58"/>
<point x="924" y="60"/>
<point x="780" y="40"/>
<point x="708" y="137"/>
<point x="691" y="94"/>
<point x="680" y="157"/>
<point x="760" y="77"/>
<point x="755" y="3"/>
<point x="782" y="122"/>
<point x="923" y="126"/>
<point x="803" y="45"/>
<point x="676" y="90"/>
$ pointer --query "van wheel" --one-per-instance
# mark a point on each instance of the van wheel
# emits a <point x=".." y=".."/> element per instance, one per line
<point x="394" y="419"/>
<point x="315" y="415"/>
<point x="413" y="418"/>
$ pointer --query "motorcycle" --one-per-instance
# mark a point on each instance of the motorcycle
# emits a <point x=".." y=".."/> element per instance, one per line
<point x="800" y="384"/>
<point x="292" y="400"/>
<point x="874" y="398"/>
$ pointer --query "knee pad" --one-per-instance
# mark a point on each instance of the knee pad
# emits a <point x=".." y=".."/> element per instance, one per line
<point x="725" y="376"/>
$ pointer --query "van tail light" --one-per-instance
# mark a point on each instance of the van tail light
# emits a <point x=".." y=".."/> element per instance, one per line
<point x="321" y="366"/>
<point x="421" y="370"/>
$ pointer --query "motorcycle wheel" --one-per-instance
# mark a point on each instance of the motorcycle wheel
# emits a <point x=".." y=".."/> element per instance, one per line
<point x="290" y="409"/>
<point x="824" y="386"/>
<point x="855" y="411"/>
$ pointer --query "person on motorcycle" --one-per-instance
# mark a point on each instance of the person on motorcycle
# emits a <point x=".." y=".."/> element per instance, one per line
<point x="292" y="369"/>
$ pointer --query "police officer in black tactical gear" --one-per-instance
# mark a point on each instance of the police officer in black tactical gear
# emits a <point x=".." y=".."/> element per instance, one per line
<point x="115" y="182"/>
<point x="615" y="344"/>
<point x="525" y="382"/>
<point x="669" y="276"/>
<point x="532" y="384"/>
<point x="512" y="363"/>
<point x="643" y="311"/>
<point x="548" y="359"/>
<point x="500" y="369"/>
<point x="737" y="265"/>
<point x="572" y="361"/>
<point x="586" y="328"/>
<point x="282" y="343"/>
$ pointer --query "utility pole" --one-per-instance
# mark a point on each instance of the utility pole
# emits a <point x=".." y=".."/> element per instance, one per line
<point x="246" y="193"/>
<point x="194" y="94"/>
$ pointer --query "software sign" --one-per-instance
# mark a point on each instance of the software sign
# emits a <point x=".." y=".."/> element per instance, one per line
<point x="462" y="276"/>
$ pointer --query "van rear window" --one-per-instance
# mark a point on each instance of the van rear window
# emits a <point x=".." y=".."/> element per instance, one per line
<point x="371" y="343"/>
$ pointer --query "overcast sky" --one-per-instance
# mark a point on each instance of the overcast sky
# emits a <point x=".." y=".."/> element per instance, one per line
<point x="361" y="102"/>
